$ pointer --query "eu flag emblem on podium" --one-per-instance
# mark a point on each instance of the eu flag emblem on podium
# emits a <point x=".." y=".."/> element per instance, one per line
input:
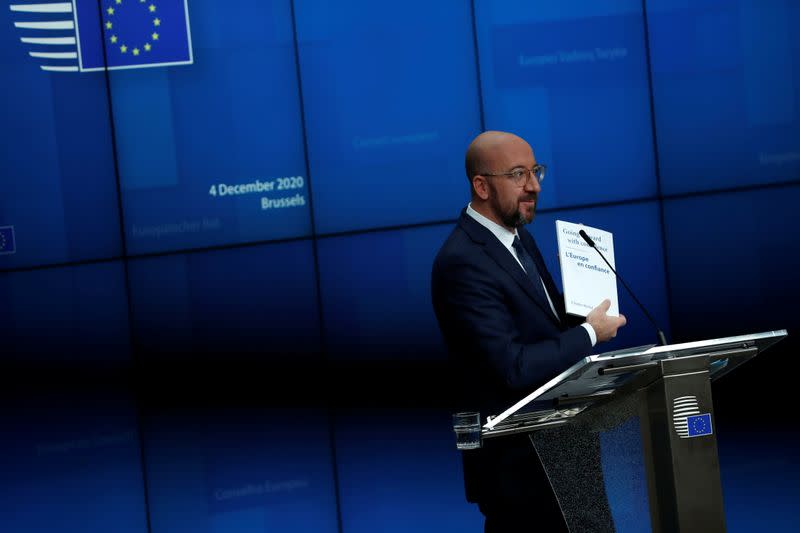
<point x="7" y="243"/>
<point x="135" y="34"/>
<point x="699" y="425"/>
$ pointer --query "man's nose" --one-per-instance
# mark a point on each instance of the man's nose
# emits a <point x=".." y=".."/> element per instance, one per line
<point x="532" y="184"/>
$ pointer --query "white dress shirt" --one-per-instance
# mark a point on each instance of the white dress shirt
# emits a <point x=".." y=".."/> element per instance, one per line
<point x="506" y="238"/>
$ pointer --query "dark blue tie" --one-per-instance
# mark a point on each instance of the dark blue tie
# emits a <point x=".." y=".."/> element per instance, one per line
<point x="530" y="267"/>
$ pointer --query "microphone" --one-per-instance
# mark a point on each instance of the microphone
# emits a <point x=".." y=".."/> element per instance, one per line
<point x="661" y="338"/>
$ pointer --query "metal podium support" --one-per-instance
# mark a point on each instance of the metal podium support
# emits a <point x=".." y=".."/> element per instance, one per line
<point x="672" y="387"/>
<point x="683" y="474"/>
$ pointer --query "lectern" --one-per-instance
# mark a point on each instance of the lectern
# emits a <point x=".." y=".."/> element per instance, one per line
<point x="669" y="388"/>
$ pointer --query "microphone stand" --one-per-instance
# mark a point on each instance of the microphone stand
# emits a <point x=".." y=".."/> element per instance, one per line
<point x="662" y="339"/>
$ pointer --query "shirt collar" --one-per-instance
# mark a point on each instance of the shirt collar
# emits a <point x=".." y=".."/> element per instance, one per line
<point x="504" y="235"/>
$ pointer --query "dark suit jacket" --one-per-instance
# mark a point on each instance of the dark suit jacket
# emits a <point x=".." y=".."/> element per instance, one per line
<point x="506" y="342"/>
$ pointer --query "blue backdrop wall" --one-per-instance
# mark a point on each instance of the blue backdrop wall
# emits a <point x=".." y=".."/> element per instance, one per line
<point x="217" y="223"/>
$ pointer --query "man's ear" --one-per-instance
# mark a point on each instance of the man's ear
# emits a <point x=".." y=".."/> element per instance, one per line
<point x="480" y="186"/>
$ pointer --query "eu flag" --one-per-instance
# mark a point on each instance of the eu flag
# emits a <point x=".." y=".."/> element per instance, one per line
<point x="132" y="33"/>
<point x="7" y="244"/>
<point x="699" y="425"/>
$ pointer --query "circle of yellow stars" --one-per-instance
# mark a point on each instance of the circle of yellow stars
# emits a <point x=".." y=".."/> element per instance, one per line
<point x="148" y="46"/>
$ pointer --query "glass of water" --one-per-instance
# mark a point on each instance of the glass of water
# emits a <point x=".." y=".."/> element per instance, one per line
<point x="467" y="426"/>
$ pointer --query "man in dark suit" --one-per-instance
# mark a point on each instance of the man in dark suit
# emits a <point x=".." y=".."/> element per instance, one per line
<point x="504" y="323"/>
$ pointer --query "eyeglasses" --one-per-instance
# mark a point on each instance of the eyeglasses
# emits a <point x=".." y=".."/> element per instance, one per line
<point x="520" y="176"/>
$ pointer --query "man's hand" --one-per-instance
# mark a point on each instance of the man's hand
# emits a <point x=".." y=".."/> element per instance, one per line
<point x="605" y="327"/>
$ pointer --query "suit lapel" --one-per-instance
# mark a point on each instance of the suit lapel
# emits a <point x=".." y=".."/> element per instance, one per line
<point x="550" y="285"/>
<point x="506" y="261"/>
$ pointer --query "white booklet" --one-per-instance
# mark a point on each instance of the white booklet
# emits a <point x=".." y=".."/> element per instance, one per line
<point x="586" y="277"/>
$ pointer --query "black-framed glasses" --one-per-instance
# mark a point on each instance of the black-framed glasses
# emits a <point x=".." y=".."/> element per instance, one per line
<point x="520" y="176"/>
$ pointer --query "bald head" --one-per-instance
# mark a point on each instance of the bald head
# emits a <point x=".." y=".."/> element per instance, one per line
<point x="492" y="158"/>
<point x="487" y="150"/>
